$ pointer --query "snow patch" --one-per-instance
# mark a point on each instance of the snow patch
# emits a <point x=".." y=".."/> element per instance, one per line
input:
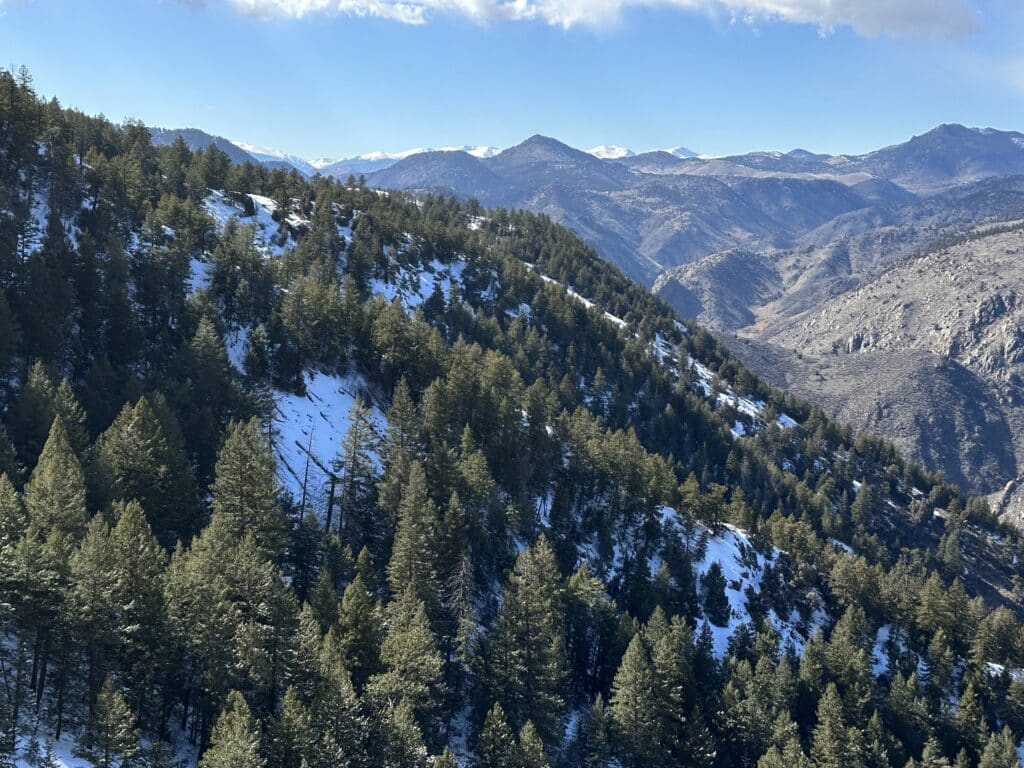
<point x="200" y="275"/>
<point x="309" y="429"/>
<point x="413" y="286"/>
<point x="786" y="422"/>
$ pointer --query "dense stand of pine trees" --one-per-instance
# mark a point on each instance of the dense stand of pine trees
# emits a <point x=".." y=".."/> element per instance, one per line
<point x="157" y="585"/>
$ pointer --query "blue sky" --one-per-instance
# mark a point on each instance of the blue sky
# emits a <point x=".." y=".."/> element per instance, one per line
<point x="340" y="77"/>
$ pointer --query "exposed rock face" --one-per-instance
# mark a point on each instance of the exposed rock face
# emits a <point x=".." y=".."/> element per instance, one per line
<point x="929" y="352"/>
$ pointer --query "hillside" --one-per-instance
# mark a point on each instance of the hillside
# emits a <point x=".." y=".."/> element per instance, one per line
<point x="945" y="323"/>
<point x="304" y="474"/>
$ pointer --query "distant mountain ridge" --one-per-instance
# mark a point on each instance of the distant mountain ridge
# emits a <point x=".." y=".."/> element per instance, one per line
<point x="798" y="254"/>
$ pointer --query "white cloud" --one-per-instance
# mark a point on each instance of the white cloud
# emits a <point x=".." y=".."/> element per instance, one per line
<point x="920" y="18"/>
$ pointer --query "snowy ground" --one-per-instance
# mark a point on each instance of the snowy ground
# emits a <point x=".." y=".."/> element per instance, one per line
<point x="268" y="232"/>
<point x="309" y="429"/>
<point x="743" y="567"/>
<point x="413" y="286"/>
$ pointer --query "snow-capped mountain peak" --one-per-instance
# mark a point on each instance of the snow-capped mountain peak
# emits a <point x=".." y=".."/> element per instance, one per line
<point x="476" y="151"/>
<point x="266" y="154"/>
<point x="610" y="152"/>
<point x="682" y="152"/>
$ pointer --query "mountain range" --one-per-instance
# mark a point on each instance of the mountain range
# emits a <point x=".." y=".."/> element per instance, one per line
<point x="588" y="536"/>
<point x="784" y="255"/>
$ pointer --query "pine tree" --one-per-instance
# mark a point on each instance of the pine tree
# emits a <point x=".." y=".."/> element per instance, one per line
<point x="55" y="493"/>
<point x="323" y="600"/>
<point x="446" y="759"/>
<point x="932" y="756"/>
<point x="110" y="737"/>
<point x="597" y="752"/>
<point x="209" y="399"/>
<point x="9" y="464"/>
<point x="877" y="744"/>
<point x="32" y="417"/>
<point x="831" y="744"/>
<point x="530" y="750"/>
<point x="403" y="747"/>
<point x="497" y="747"/>
<point x="337" y="714"/>
<point x="245" y="491"/>
<point x="636" y="721"/>
<point x="67" y="407"/>
<point x="1000" y="751"/>
<point x="357" y="473"/>
<point x="91" y="604"/>
<point x="668" y="643"/>
<point x="133" y="459"/>
<point x="13" y="516"/>
<point x="413" y="563"/>
<point x="235" y="742"/>
<point x="526" y="660"/>
<point x="969" y="722"/>
<point x="360" y="632"/>
<point x="410" y="658"/>
<point x="715" y="601"/>
<point x="290" y="736"/>
<point x="138" y="574"/>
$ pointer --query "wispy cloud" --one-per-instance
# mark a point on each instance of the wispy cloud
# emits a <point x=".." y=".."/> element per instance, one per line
<point x="918" y="18"/>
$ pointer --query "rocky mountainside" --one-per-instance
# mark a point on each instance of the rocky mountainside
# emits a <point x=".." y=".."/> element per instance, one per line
<point x="929" y="351"/>
<point x="787" y="251"/>
<point x="872" y="318"/>
<point x="644" y="222"/>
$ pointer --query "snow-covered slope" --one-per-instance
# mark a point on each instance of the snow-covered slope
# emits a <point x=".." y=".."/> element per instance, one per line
<point x="744" y="569"/>
<point x="309" y="429"/>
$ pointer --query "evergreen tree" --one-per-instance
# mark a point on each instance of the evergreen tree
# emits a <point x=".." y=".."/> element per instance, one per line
<point x="526" y="661"/>
<point x="413" y="564"/>
<point x="636" y="721"/>
<point x="404" y="746"/>
<point x="831" y="743"/>
<point x="969" y="722"/>
<point x="245" y="491"/>
<point x="235" y="742"/>
<point x="55" y="493"/>
<point x="1000" y="751"/>
<point x="338" y="718"/>
<point x="291" y="734"/>
<point x="597" y="751"/>
<point x="410" y="658"/>
<point x="32" y="418"/>
<point x="715" y="601"/>
<point x="932" y="756"/>
<point x="360" y="632"/>
<point x="110" y="737"/>
<point x="497" y="747"/>
<point x="135" y="460"/>
<point x="13" y="516"/>
<point x="357" y="473"/>
<point x="530" y="750"/>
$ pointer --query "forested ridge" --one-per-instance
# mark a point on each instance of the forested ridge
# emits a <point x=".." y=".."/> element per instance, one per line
<point x="561" y="528"/>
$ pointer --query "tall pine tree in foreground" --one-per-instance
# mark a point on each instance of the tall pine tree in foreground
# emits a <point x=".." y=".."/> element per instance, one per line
<point x="633" y="708"/>
<point x="235" y="742"/>
<point x="55" y="494"/>
<point x="245" y="490"/>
